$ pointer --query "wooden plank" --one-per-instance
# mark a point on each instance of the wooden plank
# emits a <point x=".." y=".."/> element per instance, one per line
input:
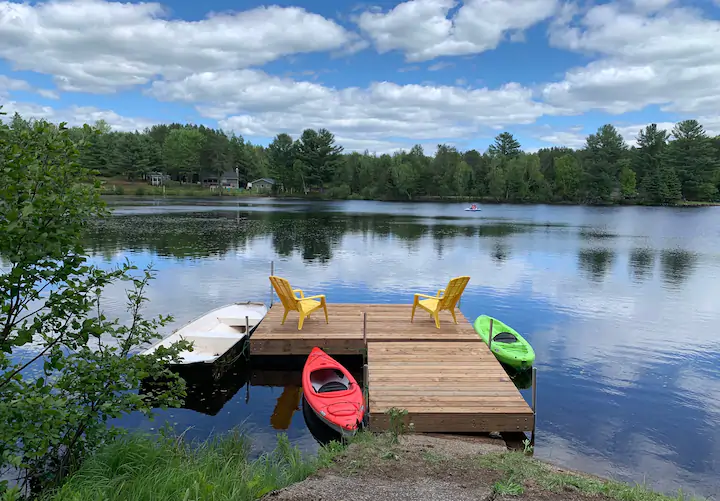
<point x="457" y="423"/>
<point x="446" y="386"/>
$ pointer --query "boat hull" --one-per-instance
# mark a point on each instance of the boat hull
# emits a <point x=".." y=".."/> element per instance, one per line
<point x="518" y="355"/>
<point x="332" y="393"/>
<point x="219" y="336"/>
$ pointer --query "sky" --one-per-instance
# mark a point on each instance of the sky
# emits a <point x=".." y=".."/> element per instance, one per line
<point x="381" y="75"/>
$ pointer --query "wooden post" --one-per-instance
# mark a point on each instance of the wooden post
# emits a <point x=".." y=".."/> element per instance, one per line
<point x="490" y="335"/>
<point x="366" y="384"/>
<point x="534" y="405"/>
<point x="365" y="329"/>
<point x="247" y="326"/>
<point x="272" y="272"/>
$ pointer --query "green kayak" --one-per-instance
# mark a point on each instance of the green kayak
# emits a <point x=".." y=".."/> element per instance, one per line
<point x="508" y="345"/>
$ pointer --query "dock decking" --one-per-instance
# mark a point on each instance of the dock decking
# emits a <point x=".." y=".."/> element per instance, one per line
<point x="445" y="378"/>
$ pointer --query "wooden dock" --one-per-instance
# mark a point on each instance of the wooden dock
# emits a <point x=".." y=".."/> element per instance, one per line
<point x="445" y="378"/>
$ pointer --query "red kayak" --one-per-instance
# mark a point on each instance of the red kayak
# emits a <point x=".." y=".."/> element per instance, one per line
<point x="332" y="393"/>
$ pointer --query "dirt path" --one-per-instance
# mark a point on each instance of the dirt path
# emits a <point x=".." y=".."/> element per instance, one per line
<point x="430" y="468"/>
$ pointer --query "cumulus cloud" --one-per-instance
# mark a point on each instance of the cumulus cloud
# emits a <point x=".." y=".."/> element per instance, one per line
<point x="100" y="46"/>
<point x="422" y="29"/>
<point x="252" y="102"/>
<point x="670" y="58"/>
<point x="76" y="115"/>
<point x="9" y="85"/>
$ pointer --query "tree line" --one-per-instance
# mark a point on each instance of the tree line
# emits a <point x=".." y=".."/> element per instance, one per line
<point x="664" y="167"/>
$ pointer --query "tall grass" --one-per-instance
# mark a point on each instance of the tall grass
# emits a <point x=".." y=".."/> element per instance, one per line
<point x="141" y="468"/>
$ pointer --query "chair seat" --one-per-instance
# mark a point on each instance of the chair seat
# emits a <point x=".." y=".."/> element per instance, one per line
<point x="308" y="304"/>
<point x="429" y="304"/>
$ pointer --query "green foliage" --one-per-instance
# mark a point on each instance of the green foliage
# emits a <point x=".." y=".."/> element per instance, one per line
<point x="693" y="156"/>
<point x="65" y="368"/>
<point x="141" y="467"/>
<point x="518" y="469"/>
<point x="397" y="426"/>
<point x="604" y="171"/>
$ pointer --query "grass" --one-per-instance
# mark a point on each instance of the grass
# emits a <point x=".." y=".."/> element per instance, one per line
<point x="140" y="468"/>
<point x="519" y="470"/>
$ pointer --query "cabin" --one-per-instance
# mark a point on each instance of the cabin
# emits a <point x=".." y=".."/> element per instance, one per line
<point x="230" y="180"/>
<point x="262" y="185"/>
<point x="158" y="178"/>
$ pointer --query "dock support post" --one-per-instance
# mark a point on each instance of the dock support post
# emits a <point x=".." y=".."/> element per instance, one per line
<point x="272" y="272"/>
<point x="365" y="329"/>
<point x="366" y="387"/>
<point x="534" y="405"/>
<point x="247" y="326"/>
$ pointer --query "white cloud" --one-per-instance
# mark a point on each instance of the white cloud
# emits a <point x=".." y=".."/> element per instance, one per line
<point x="49" y="94"/>
<point x="422" y="30"/>
<point x="671" y="59"/>
<point x="252" y="102"/>
<point x="8" y="84"/>
<point x="76" y="115"/>
<point x="99" y="46"/>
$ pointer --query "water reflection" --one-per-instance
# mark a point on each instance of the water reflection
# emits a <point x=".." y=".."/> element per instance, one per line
<point x="677" y="265"/>
<point x="642" y="262"/>
<point x="619" y="392"/>
<point x="596" y="262"/>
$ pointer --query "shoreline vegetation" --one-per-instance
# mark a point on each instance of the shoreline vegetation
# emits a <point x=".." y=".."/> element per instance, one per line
<point x="661" y="168"/>
<point x="143" y="191"/>
<point x="370" y="466"/>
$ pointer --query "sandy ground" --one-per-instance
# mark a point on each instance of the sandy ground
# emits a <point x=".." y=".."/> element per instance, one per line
<point x="420" y="467"/>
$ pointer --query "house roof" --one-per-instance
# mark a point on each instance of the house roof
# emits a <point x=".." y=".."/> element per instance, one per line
<point x="229" y="174"/>
<point x="266" y="179"/>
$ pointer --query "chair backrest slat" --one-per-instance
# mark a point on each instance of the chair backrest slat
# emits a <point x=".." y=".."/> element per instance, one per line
<point x="284" y="292"/>
<point x="453" y="291"/>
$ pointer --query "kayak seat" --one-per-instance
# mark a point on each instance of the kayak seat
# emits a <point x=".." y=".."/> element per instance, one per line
<point x="505" y="337"/>
<point x="445" y="299"/>
<point x="332" y="386"/>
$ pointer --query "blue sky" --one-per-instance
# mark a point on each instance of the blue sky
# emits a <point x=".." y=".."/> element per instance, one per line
<point x="381" y="75"/>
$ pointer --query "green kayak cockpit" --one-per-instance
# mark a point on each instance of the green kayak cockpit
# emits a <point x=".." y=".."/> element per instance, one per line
<point x="508" y="346"/>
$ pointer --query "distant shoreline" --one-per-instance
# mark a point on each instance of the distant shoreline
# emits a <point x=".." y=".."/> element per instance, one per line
<point x="241" y="195"/>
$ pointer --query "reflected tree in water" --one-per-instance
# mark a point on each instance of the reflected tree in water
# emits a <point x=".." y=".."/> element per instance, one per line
<point x="500" y="251"/>
<point x="641" y="263"/>
<point x="596" y="262"/>
<point x="677" y="265"/>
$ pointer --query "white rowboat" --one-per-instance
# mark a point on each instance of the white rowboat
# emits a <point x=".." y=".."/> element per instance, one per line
<point x="215" y="333"/>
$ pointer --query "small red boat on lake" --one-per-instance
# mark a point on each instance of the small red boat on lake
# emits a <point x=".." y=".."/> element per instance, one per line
<point x="332" y="393"/>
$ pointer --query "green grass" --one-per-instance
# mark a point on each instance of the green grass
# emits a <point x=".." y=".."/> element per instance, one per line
<point x="140" y="468"/>
<point x="517" y="468"/>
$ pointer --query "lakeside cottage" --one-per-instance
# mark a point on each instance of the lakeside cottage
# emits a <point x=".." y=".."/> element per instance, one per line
<point x="262" y="185"/>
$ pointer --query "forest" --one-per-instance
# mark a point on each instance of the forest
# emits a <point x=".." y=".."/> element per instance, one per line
<point x="665" y="167"/>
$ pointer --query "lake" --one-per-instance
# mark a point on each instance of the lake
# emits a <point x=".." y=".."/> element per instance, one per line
<point x="621" y="305"/>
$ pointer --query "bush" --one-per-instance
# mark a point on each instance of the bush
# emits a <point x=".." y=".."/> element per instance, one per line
<point x="140" y="191"/>
<point x="56" y="398"/>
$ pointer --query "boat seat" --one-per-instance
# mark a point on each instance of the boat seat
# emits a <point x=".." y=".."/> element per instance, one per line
<point x="238" y="321"/>
<point x="332" y="386"/>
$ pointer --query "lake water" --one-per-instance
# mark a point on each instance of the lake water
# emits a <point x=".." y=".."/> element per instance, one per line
<point x="622" y="306"/>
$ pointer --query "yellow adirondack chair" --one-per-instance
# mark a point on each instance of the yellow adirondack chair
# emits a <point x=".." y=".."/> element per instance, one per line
<point x="303" y="305"/>
<point x="446" y="299"/>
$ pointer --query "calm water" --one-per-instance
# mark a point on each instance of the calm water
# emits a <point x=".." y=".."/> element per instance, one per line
<point x="621" y="305"/>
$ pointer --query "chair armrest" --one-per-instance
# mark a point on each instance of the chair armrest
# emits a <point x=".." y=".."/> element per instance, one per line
<point x="425" y="295"/>
<point x="440" y="292"/>
<point x="302" y="294"/>
<point x="320" y="296"/>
